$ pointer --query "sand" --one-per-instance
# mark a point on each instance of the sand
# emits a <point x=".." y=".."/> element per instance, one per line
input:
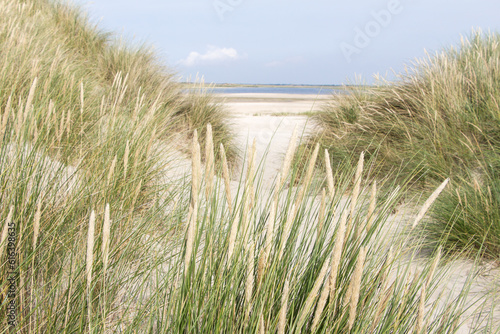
<point x="270" y="120"/>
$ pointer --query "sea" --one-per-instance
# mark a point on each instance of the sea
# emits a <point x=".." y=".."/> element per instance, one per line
<point x="314" y="90"/>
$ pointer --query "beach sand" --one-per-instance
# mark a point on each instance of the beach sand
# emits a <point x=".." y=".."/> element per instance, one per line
<point x="270" y="120"/>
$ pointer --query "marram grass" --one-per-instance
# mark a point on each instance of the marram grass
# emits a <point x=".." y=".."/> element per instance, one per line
<point x="102" y="240"/>
<point x="441" y="117"/>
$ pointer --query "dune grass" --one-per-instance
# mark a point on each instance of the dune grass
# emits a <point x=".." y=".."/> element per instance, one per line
<point x="441" y="117"/>
<point x="98" y="236"/>
<point x="183" y="260"/>
<point x="69" y="56"/>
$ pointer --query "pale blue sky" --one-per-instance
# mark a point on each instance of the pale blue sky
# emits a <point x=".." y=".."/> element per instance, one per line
<point x="293" y="41"/>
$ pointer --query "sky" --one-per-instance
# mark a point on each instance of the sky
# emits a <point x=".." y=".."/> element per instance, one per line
<point x="292" y="41"/>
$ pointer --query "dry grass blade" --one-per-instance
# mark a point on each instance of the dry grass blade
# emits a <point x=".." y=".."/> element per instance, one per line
<point x="329" y="176"/>
<point x="429" y="202"/>
<point x="36" y="223"/>
<point x="421" y="311"/>
<point x="336" y="255"/>
<point x="106" y="232"/>
<point x="371" y="207"/>
<point x="433" y="267"/>
<point x="321" y="214"/>
<point x="357" y="187"/>
<point x="209" y="162"/>
<point x="125" y="159"/>
<point x="89" y="265"/>
<point x="325" y="292"/>
<point x="227" y="182"/>
<point x="356" y="285"/>
<point x="5" y="230"/>
<point x="284" y="308"/>
<point x="29" y="102"/>
<point x="90" y="249"/>
<point x="308" y="176"/>
<point x="232" y="238"/>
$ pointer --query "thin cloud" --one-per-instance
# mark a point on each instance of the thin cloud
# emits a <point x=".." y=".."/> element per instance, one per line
<point x="213" y="55"/>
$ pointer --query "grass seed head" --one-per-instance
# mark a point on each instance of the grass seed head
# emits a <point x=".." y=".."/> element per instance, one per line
<point x="357" y="187"/>
<point x="336" y="255"/>
<point x="429" y="202"/>
<point x="209" y="161"/>
<point x="227" y="181"/>
<point x="106" y="231"/>
<point x="284" y="308"/>
<point x="36" y="223"/>
<point x="356" y="286"/>
<point x="90" y="249"/>
<point x="329" y="176"/>
<point x="5" y="230"/>
<point x="125" y="159"/>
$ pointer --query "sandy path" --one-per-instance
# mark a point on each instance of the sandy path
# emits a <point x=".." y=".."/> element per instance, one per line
<point x="270" y="120"/>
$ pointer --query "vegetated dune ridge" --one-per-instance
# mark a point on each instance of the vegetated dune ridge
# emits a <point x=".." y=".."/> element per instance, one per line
<point x="442" y="117"/>
<point x="107" y="241"/>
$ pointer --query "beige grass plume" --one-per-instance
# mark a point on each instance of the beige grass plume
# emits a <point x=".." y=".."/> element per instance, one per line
<point x="29" y="101"/>
<point x="150" y="143"/>
<point x="111" y="171"/>
<point x="357" y="187"/>
<point x="421" y="310"/>
<point x="227" y="182"/>
<point x="209" y="162"/>
<point x="325" y="292"/>
<point x="5" y="117"/>
<point x="90" y="261"/>
<point x="5" y="230"/>
<point x="371" y="207"/>
<point x="288" y="157"/>
<point x="125" y="159"/>
<point x="313" y="293"/>
<point x="321" y="214"/>
<point x="106" y="229"/>
<point x="308" y="176"/>
<point x="284" y="308"/>
<point x="329" y="176"/>
<point x="90" y="249"/>
<point x="429" y="202"/>
<point x="36" y="222"/>
<point x="246" y="218"/>
<point x="381" y="306"/>
<point x="356" y="286"/>
<point x="232" y="238"/>
<point x="36" y="231"/>
<point x="68" y="123"/>
<point x="337" y="253"/>
<point x="262" y="324"/>
<point x="251" y="165"/>
<point x="196" y="168"/>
